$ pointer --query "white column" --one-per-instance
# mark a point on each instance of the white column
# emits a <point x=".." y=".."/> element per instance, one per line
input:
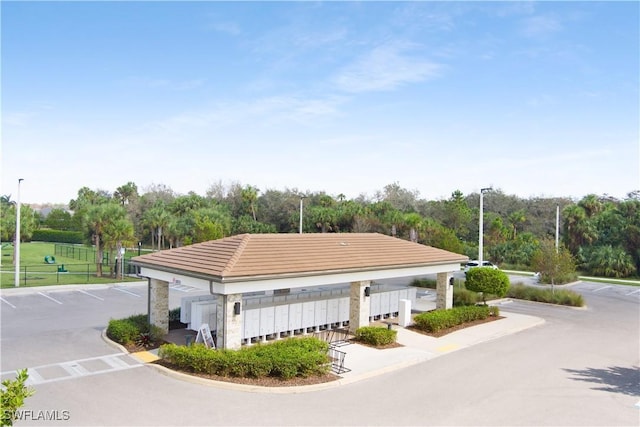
<point x="359" y="305"/>
<point x="444" y="291"/>
<point x="159" y="304"/>
<point x="229" y="324"/>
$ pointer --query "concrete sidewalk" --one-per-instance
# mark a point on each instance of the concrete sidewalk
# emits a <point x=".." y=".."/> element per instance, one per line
<point x="365" y="362"/>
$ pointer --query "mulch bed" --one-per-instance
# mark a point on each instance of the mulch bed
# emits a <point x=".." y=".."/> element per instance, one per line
<point x="262" y="382"/>
<point x="299" y="381"/>
<point x="379" y="347"/>
<point x="444" y="332"/>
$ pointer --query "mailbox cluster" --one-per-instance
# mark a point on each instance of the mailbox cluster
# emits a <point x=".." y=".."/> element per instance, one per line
<point x="267" y="317"/>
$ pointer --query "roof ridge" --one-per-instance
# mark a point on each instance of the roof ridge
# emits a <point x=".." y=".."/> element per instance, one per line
<point x="237" y="253"/>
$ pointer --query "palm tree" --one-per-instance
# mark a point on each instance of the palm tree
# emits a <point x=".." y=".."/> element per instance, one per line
<point x="516" y="218"/>
<point x="117" y="234"/>
<point x="249" y="197"/>
<point x="97" y="219"/>
<point x="157" y="218"/>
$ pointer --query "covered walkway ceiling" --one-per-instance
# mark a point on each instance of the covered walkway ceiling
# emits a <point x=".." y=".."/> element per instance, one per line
<point x="261" y="262"/>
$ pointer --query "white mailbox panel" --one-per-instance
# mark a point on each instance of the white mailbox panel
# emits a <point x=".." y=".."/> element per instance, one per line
<point x="203" y="312"/>
<point x="345" y="303"/>
<point x="384" y="302"/>
<point x="295" y="316"/>
<point x="321" y="313"/>
<point x="251" y="323"/>
<point x="282" y="318"/>
<point x="267" y="320"/>
<point x="393" y="301"/>
<point x="375" y="305"/>
<point x="333" y="310"/>
<point x="308" y="314"/>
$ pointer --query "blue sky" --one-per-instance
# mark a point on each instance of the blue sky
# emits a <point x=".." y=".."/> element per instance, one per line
<point x="534" y="98"/>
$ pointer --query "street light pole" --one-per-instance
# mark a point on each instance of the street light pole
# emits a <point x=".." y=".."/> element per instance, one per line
<point x="17" y="244"/>
<point x="300" y="228"/>
<point x="481" y="225"/>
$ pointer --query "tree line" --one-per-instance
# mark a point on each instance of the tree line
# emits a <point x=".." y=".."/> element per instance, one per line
<point x="600" y="234"/>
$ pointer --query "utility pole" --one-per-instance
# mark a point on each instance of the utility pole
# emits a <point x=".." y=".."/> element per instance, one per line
<point x="481" y="225"/>
<point x="17" y="244"/>
<point x="301" y="199"/>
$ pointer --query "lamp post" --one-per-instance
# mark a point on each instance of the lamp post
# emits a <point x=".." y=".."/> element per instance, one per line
<point x="301" y="199"/>
<point x="481" y="225"/>
<point x="17" y="246"/>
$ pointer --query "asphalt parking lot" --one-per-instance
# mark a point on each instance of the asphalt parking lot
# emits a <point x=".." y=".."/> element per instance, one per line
<point x="579" y="368"/>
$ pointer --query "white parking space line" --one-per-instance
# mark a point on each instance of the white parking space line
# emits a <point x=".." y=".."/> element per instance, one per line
<point x="634" y="292"/>
<point x="599" y="289"/>
<point x="182" y="288"/>
<point x="74" y="369"/>
<point x="125" y="291"/>
<point x="7" y="302"/>
<point x="91" y="295"/>
<point x="47" y="296"/>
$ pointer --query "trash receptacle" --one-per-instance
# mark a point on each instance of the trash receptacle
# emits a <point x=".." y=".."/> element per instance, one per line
<point x="188" y="340"/>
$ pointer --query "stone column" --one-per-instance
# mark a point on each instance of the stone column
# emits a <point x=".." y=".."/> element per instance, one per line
<point x="444" y="298"/>
<point x="159" y="304"/>
<point x="229" y="324"/>
<point x="359" y="305"/>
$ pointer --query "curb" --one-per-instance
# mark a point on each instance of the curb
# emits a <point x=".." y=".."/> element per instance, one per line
<point x="113" y="344"/>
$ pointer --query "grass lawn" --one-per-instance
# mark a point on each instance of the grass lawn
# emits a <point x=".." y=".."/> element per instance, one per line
<point x="36" y="272"/>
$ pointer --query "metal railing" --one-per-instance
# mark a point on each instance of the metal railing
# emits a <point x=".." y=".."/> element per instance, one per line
<point x="337" y="360"/>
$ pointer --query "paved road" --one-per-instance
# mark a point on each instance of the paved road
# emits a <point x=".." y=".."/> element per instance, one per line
<point x="579" y="368"/>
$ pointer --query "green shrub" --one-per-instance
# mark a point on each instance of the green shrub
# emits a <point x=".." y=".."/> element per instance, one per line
<point x="551" y="296"/>
<point x="133" y="329"/>
<point x="174" y="315"/>
<point x="424" y="283"/>
<point x="462" y="297"/>
<point x="140" y="321"/>
<point x="12" y="396"/>
<point x="376" y="335"/>
<point x="284" y="359"/>
<point x="488" y="281"/>
<point x="437" y="320"/>
<point x="58" y="236"/>
<point x="122" y="331"/>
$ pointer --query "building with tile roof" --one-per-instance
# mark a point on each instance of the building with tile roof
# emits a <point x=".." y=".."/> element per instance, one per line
<point x="249" y="263"/>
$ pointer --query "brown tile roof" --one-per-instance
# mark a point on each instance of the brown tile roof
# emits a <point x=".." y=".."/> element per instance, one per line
<point x="250" y="255"/>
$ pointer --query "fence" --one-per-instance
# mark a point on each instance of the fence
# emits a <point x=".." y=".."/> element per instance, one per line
<point x="36" y="275"/>
<point x="76" y="252"/>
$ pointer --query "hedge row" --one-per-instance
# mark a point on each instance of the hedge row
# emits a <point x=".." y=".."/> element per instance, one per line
<point x="57" y="236"/>
<point x="434" y="321"/>
<point x="129" y="330"/>
<point x="555" y="296"/>
<point x="376" y="335"/>
<point x="293" y="357"/>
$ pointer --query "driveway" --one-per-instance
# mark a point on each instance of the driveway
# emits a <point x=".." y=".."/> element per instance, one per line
<point x="579" y="368"/>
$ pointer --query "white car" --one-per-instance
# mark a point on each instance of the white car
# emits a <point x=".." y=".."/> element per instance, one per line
<point x="472" y="264"/>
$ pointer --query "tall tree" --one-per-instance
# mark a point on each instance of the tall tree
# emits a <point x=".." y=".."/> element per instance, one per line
<point x="555" y="266"/>
<point x="98" y="219"/>
<point x="117" y="234"/>
<point x="457" y="214"/>
<point x="125" y="194"/>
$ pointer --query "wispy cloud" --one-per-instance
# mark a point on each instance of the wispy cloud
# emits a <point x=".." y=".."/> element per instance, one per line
<point x="540" y="26"/>
<point x="261" y="112"/>
<point x="386" y="67"/>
